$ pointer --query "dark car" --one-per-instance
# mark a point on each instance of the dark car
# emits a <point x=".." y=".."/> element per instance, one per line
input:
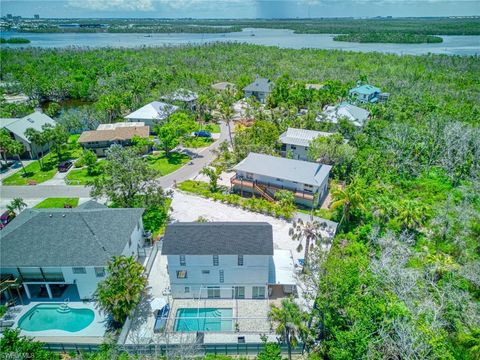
<point x="65" y="166"/>
<point x="5" y="218"/>
<point x="202" y="133"/>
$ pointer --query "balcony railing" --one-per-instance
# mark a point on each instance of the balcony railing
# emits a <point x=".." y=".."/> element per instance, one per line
<point x="250" y="183"/>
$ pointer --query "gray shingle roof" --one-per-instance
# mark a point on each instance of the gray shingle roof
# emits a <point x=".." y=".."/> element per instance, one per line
<point x="300" y="137"/>
<point x="303" y="172"/>
<point x="260" y="85"/>
<point x="35" y="120"/>
<point x="85" y="236"/>
<point x="218" y="238"/>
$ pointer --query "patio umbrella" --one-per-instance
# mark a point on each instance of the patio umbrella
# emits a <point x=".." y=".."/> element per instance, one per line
<point x="157" y="303"/>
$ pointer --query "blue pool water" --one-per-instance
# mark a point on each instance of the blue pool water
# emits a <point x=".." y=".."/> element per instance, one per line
<point x="52" y="317"/>
<point x="206" y="319"/>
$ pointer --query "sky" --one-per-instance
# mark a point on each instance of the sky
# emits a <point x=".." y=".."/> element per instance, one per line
<point x="237" y="8"/>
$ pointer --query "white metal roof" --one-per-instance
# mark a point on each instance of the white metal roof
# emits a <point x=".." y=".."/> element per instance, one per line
<point x="120" y="125"/>
<point x="156" y="110"/>
<point x="301" y="137"/>
<point x="355" y="114"/>
<point x="303" y="172"/>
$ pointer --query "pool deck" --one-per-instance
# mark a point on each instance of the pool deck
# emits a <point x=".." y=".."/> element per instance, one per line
<point x="92" y="334"/>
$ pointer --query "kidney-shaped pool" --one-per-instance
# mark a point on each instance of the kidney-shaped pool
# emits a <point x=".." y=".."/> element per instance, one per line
<point x="56" y="317"/>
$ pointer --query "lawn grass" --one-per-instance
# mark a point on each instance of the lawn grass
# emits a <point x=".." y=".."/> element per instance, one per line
<point x="34" y="174"/>
<point x="81" y="176"/>
<point x="213" y="128"/>
<point x="57" y="203"/>
<point x="196" y="142"/>
<point x="165" y="165"/>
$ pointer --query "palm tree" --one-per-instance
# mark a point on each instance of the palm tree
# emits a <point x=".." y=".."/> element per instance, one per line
<point x="16" y="204"/>
<point x="310" y="231"/>
<point x="39" y="139"/>
<point x="226" y="112"/>
<point x="16" y="148"/>
<point x="349" y="198"/>
<point x="410" y="214"/>
<point x="122" y="289"/>
<point x="290" y="324"/>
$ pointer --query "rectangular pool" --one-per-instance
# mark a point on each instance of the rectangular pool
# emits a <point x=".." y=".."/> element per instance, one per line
<point x="203" y="319"/>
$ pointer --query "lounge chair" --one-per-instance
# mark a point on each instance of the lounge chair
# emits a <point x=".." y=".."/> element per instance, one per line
<point x="161" y="319"/>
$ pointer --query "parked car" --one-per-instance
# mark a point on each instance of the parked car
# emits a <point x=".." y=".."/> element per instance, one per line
<point x="65" y="166"/>
<point x="5" y="218"/>
<point x="203" y="133"/>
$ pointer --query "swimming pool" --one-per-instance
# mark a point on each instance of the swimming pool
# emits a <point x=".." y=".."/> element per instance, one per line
<point x="55" y="317"/>
<point x="203" y="319"/>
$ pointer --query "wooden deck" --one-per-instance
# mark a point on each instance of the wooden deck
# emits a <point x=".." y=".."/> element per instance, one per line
<point x="252" y="184"/>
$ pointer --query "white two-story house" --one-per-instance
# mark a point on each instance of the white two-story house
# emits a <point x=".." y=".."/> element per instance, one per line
<point x="264" y="175"/>
<point x="219" y="260"/>
<point x="46" y="251"/>
<point x="295" y="142"/>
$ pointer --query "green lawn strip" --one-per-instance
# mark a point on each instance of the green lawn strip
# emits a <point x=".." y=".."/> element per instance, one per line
<point x="213" y="128"/>
<point x="166" y="165"/>
<point x="253" y="204"/>
<point x="197" y="142"/>
<point x="57" y="203"/>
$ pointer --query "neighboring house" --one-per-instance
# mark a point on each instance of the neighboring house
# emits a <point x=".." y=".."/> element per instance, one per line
<point x="107" y="135"/>
<point x="225" y="260"/>
<point x="354" y="114"/>
<point x="296" y="142"/>
<point x="18" y="127"/>
<point x="264" y="175"/>
<point x="49" y="250"/>
<point x="365" y="93"/>
<point x="224" y="86"/>
<point x="152" y="114"/>
<point x="188" y="97"/>
<point x="259" y="89"/>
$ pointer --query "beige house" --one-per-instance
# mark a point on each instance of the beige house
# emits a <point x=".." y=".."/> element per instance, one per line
<point x="107" y="135"/>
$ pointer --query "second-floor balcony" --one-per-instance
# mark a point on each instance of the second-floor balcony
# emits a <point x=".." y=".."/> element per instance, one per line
<point x="266" y="186"/>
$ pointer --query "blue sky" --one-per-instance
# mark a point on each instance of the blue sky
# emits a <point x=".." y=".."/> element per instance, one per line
<point x="239" y="8"/>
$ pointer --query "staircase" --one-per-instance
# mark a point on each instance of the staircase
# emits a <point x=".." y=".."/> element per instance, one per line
<point x="263" y="191"/>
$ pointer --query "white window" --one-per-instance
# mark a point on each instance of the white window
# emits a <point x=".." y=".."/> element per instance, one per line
<point x="215" y="260"/>
<point x="239" y="292"/>
<point x="293" y="147"/>
<point x="187" y="289"/>
<point x="249" y="175"/>
<point x="240" y="260"/>
<point x="213" y="292"/>
<point x="99" y="272"/>
<point x="79" y="270"/>
<point x="182" y="260"/>
<point x="205" y="272"/>
<point x="308" y="188"/>
<point x="258" y="292"/>
<point x="181" y="274"/>
<point x="222" y="276"/>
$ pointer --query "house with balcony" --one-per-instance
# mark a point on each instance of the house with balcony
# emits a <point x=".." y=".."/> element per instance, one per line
<point x="295" y="142"/>
<point x="225" y="260"/>
<point x="107" y="135"/>
<point x="264" y="175"/>
<point x="17" y="129"/>
<point x="364" y="93"/>
<point x="152" y="114"/>
<point x="49" y="252"/>
<point x="260" y="88"/>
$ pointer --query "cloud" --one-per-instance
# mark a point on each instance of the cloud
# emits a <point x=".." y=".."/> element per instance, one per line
<point x="132" y="5"/>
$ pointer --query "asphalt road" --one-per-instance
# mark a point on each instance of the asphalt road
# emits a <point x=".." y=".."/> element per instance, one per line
<point x="186" y="172"/>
